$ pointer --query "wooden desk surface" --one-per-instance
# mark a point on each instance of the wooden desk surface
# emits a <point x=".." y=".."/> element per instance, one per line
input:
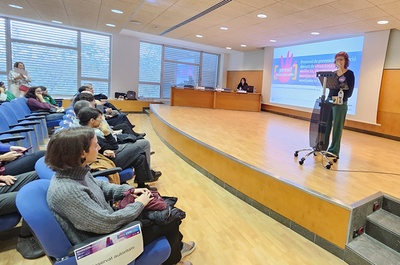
<point x="218" y="100"/>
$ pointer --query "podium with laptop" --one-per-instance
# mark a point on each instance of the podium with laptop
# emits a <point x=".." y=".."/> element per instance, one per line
<point x="318" y="122"/>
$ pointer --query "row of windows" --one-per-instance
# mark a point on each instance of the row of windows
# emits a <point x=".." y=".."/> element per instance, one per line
<point x="163" y="66"/>
<point x="63" y="59"/>
<point x="60" y="59"/>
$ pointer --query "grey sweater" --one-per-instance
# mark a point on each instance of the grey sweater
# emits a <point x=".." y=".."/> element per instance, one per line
<point x="79" y="203"/>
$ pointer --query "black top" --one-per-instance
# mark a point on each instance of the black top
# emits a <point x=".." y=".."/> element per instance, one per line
<point x="242" y="87"/>
<point x="346" y="82"/>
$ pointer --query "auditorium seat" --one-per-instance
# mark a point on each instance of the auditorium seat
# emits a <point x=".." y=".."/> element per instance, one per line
<point x="32" y="204"/>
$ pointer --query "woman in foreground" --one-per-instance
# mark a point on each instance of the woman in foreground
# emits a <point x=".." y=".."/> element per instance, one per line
<point x="80" y="203"/>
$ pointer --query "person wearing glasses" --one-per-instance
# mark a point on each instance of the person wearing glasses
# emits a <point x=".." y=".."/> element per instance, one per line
<point x="337" y="116"/>
<point x="36" y="102"/>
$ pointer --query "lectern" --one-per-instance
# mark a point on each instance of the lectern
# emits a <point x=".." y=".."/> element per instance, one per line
<point x="319" y="117"/>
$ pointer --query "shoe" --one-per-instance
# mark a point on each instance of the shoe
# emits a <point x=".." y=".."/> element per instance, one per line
<point x="29" y="248"/>
<point x="187" y="248"/>
<point x="139" y="135"/>
<point x="152" y="153"/>
<point x="184" y="263"/>
<point x="156" y="175"/>
<point x="334" y="156"/>
<point x="150" y="188"/>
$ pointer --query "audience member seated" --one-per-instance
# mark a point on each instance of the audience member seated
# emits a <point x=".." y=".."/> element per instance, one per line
<point x="80" y="203"/>
<point x="124" y="155"/>
<point x="47" y="97"/>
<point x="5" y="94"/>
<point x="16" y="170"/>
<point x="36" y="102"/>
<point x="123" y="124"/>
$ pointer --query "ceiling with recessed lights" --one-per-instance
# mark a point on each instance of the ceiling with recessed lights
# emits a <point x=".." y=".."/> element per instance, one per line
<point x="233" y="23"/>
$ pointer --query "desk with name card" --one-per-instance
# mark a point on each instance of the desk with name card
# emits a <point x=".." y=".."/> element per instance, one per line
<point x="189" y="97"/>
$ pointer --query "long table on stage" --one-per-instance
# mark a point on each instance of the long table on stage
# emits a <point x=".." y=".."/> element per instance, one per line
<point x="189" y="97"/>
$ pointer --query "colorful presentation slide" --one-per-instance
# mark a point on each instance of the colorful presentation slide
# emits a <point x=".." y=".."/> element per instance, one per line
<point x="294" y="80"/>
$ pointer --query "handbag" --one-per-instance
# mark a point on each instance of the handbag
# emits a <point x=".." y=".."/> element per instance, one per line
<point x="23" y="88"/>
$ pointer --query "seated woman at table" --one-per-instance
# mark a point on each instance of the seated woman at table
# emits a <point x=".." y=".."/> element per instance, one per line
<point x="242" y="84"/>
<point x="80" y="204"/>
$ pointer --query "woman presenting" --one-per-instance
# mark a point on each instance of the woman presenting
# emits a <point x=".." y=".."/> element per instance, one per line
<point x="18" y="76"/>
<point x="338" y="113"/>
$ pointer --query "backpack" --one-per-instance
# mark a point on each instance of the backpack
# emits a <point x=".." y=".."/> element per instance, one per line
<point x="131" y="95"/>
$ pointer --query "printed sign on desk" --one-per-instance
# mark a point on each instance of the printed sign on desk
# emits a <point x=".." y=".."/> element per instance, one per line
<point x="121" y="247"/>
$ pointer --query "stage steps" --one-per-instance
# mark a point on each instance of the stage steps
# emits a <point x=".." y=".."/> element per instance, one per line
<point x="380" y="244"/>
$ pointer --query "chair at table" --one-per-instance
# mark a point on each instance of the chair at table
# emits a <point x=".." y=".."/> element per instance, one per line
<point x="32" y="204"/>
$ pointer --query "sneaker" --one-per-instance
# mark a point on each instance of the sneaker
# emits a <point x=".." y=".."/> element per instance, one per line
<point x="187" y="248"/>
<point x="29" y="248"/>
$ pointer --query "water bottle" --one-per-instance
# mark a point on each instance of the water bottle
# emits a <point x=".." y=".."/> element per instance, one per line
<point x="340" y="97"/>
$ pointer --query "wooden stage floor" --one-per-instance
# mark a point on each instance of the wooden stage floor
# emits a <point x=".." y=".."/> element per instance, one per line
<point x="266" y="141"/>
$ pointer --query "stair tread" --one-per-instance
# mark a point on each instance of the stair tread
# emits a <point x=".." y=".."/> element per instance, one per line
<point x="386" y="220"/>
<point x="374" y="251"/>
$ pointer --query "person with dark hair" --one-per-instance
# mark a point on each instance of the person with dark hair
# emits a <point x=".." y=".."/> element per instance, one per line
<point x="49" y="99"/>
<point x="123" y="122"/>
<point x="80" y="204"/>
<point x="123" y="155"/>
<point x="18" y="76"/>
<point x="36" y="102"/>
<point x="338" y="112"/>
<point x="242" y="84"/>
<point x="16" y="170"/>
<point x="5" y="95"/>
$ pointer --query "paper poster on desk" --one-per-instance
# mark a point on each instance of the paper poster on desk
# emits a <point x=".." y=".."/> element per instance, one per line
<point x="121" y="247"/>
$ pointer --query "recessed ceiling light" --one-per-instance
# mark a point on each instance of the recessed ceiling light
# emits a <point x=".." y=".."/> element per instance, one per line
<point x="199" y="36"/>
<point x="116" y="11"/>
<point x="382" y="22"/>
<point x="15" y="6"/>
<point x="228" y="48"/>
<point x="110" y="25"/>
<point x="261" y="15"/>
<point x="223" y="28"/>
<point x="272" y="40"/>
<point x="56" y="21"/>
<point x="243" y="45"/>
<point x="314" y="33"/>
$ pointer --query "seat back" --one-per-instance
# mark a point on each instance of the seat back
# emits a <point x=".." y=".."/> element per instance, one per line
<point x="28" y="135"/>
<point x="20" y="114"/>
<point x="11" y="119"/>
<point x="43" y="171"/>
<point x="32" y="204"/>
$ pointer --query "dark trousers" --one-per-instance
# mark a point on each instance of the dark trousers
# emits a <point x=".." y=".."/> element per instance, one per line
<point x="173" y="235"/>
<point x="23" y="164"/>
<point x="131" y="155"/>
<point x="119" y="119"/>
<point x="336" y="120"/>
<point x="8" y="194"/>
